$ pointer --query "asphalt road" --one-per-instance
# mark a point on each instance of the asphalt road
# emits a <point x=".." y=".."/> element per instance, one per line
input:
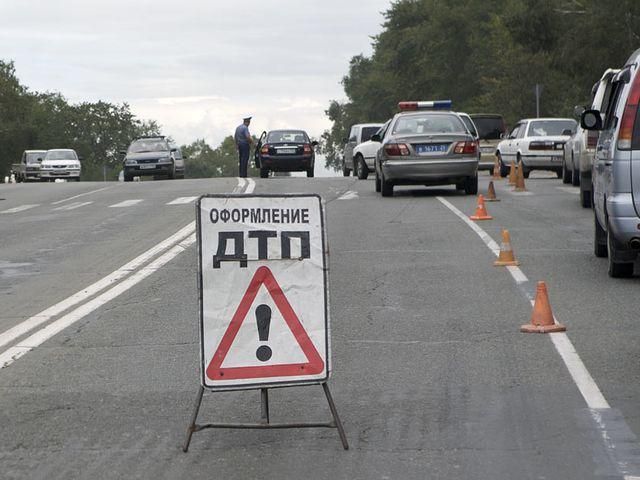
<point x="431" y="375"/>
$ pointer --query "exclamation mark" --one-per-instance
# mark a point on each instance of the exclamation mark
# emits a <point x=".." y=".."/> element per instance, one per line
<point x="263" y="318"/>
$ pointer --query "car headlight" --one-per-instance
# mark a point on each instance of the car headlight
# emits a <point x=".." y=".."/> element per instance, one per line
<point x="164" y="159"/>
<point x="130" y="162"/>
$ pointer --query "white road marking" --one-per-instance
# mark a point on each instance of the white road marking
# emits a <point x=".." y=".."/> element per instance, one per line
<point x="12" y="354"/>
<point x="126" y="203"/>
<point x="251" y="186"/>
<point x="574" y="190"/>
<point x="21" y="208"/>
<point x="520" y="194"/>
<point x="349" y="195"/>
<point x="241" y="183"/>
<point x="578" y="371"/>
<point x="72" y="206"/>
<point x="182" y="200"/>
<point x="517" y="274"/>
<point x="80" y="195"/>
<point x="85" y="293"/>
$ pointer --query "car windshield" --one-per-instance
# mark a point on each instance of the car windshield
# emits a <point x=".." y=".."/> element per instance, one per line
<point x="544" y="128"/>
<point x="32" y="157"/>
<point x="367" y="132"/>
<point x="469" y="123"/>
<point x="288" y="136"/>
<point x="489" y="128"/>
<point x="148" y="145"/>
<point x="428" y="123"/>
<point x="61" y="155"/>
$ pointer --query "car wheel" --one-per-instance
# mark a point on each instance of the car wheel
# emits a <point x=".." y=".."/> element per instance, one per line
<point x="616" y="269"/>
<point x="378" y="183"/>
<point x="566" y="173"/>
<point x="386" y="187"/>
<point x="504" y="170"/>
<point x="471" y="185"/>
<point x="363" y="170"/>
<point x="264" y="173"/>
<point x="599" y="238"/>
<point x="77" y="179"/>
<point x="310" y="172"/>
<point x="128" y="178"/>
<point x="585" y="196"/>
<point x="525" y="172"/>
<point x="559" y="173"/>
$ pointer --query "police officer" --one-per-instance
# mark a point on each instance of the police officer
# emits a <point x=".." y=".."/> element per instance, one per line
<point x="243" y="141"/>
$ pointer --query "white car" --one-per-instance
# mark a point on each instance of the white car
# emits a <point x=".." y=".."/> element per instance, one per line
<point x="60" y="163"/>
<point x="364" y="155"/>
<point x="536" y="142"/>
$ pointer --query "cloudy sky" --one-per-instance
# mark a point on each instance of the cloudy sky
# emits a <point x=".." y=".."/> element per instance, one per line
<point x="195" y="66"/>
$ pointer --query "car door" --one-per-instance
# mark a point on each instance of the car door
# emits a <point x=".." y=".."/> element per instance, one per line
<point x="508" y="149"/>
<point x="352" y="141"/>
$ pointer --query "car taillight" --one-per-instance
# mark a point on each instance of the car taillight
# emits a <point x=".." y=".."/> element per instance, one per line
<point x="396" y="149"/>
<point x="540" y="145"/>
<point x="466" y="148"/>
<point x="307" y="149"/>
<point x="592" y="138"/>
<point x="265" y="149"/>
<point x="625" y="136"/>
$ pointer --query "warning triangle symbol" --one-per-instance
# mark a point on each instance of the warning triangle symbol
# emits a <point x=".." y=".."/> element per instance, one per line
<point x="314" y="364"/>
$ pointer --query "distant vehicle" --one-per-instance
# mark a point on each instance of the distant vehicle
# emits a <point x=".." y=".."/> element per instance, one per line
<point x="364" y="155"/>
<point x="616" y="171"/>
<point x="491" y="130"/>
<point x="152" y="155"/>
<point x="60" y="163"/>
<point x="285" y="151"/>
<point x="471" y="127"/>
<point x="360" y="132"/>
<point x="536" y="142"/>
<point x="580" y="149"/>
<point x="29" y="167"/>
<point x="426" y="144"/>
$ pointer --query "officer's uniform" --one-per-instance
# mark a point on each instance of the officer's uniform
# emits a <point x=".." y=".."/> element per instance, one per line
<point x="241" y="138"/>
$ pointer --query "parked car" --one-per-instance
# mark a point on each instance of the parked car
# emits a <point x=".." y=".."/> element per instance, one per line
<point x="491" y="130"/>
<point x="285" y="151"/>
<point x="29" y="166"/>
<point x="580" y="149"/>
<point x="152" y="155"/>
<point x="364" y="155"/>
<point x="359" y="133"/>
<point x="471" y="128"/>
<point x="426" y="144"/>
<point x="616" y="171"/>
<point x="60" y="163"/>
<point x="536" y="142"/>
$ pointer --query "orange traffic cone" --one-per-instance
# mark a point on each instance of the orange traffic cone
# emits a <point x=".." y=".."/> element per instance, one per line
<point x="520" y="180"/>
<point x="512" y="173"/>
<point x="491" y="193"/>
<point x="496" y="169"/>
<point x="542" y="320"/>
<point x="506" y="257"/>
<point x="481" y="211"/>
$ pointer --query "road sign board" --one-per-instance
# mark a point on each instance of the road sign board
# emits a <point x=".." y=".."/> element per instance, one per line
<point x="263" y="291"/>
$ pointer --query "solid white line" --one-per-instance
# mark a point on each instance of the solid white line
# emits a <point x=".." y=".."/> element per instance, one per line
<point x="517" y="274"/>
<point x="80" y="195"/>
<point x="21" y="208"/>
<point x="44" y="316"/>
<point x="182" y="200"/>
<point x="126" y="203"/>
<point x="12" y="354"/>
<point x="486" y="238"/>
<point x="72" y="206"/>
<point x="578" y="371"/>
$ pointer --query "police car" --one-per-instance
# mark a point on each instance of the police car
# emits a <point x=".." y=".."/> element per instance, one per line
<point x="426" y="144"/>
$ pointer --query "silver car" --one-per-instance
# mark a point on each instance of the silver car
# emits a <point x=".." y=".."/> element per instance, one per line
<point x="423" y="146"/>
<point x="616" y="171"/>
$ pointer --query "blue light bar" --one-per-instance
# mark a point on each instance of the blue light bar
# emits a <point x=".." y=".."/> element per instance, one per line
<point x="431" y="105"/>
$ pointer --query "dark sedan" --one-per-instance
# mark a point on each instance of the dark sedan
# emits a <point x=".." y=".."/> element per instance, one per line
<point x="285" y="151"/>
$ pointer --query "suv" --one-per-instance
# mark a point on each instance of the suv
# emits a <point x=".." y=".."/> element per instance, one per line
<point x="152" y="156"/>
<point x="616" y="171"/>
<point x="491" y="129"/>
<point x="359" y="133"/>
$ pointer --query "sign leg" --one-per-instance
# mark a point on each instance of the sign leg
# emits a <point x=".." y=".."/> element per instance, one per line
<point x="336" y="418"/>
<point x="194" y="418"/>
<point x="264" y="405"/>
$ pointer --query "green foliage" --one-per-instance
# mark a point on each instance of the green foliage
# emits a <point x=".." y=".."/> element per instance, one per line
<point x="204" y="161"/>
<point x="485" y="55"/>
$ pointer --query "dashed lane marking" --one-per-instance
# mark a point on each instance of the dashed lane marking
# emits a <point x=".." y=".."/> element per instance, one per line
<point x="126" y="203"/>
<point x="21" y="208"/>
<point x="182" y="200"/>
<point x="72" y="206"/>
<point x="80" y="195"/>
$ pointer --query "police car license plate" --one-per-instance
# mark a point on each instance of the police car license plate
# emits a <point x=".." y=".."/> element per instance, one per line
<point x="286" y="150"/>
<point x="432" y="148"/>
<point x="145" y="167"/>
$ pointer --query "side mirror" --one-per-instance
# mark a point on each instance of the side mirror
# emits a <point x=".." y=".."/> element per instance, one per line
<point x="502" y="136"/>
<point x="591" y="120"/>
<point x="123" y="152"/>
<point x="39" y="160"/>
<point x="314" y="143"/>
<point x="376" y="137"/>
<point x="568" y="132"/>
